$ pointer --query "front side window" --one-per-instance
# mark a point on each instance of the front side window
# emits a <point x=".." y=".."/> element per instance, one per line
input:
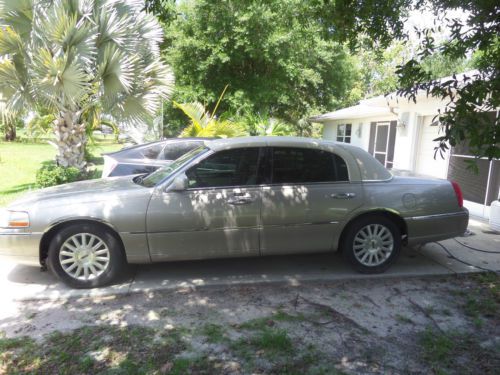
<point x="302" y="165"/>
<point x="237" y="167"/>
<point x="344" y="133"/>
<point x="162" y="173"/>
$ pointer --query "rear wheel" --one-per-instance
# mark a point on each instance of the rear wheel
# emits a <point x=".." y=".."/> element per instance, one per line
<point x="85" y="256"/>
<point x="371" y="244"/>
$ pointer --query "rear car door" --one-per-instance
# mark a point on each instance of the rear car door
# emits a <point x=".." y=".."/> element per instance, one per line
<point x="217" y="216"/>
<point x="309" y="194"/>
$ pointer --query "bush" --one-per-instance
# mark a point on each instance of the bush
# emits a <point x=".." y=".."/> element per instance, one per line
<point x="51" y="175"/>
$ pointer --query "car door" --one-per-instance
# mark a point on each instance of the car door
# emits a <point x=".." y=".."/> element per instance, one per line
<point x="218" y="215"/>
<point x="308" y="196"/>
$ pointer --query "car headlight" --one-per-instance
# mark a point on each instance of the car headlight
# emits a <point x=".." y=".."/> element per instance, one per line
<point x="14" y="219"/>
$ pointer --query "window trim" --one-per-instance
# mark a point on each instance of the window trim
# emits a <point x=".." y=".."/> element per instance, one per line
<point x="343" y="136"/>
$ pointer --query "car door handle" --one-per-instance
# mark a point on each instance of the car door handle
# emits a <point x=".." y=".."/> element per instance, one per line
<point x="240" y="198"/>
<point x="343" y="195"/>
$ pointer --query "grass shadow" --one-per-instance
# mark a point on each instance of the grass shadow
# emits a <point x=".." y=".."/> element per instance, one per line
<point x="19" y="189"/>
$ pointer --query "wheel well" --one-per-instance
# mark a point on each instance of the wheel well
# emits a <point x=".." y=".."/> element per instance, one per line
<point x="395" y="218"/>
<point x="49" y="235"/>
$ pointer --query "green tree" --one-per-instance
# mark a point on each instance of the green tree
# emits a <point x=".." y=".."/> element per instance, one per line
<point x="81" y="60"/>
<point x="271" y="53"/>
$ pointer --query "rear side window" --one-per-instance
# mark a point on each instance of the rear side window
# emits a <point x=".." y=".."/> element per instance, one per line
<point x="236" y="167"/>
<point x="302" y="165"/>
<point x="150" y="151"/>
<point x="174" y="150"/>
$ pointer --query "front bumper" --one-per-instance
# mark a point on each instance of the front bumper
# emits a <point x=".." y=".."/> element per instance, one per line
<point x="430" y="228"/>
<point x="20" y="246"/>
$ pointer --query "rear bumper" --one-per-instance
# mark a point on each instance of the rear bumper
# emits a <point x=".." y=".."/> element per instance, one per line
<point x="20" y="247"/>
<point x="429" y="228"/>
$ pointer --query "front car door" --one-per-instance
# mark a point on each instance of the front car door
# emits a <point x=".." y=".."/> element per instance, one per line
<point x="217" y="216"/>
<point x="308" y="196"/>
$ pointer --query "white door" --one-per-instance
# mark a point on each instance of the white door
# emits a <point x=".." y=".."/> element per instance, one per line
<point x="426" y="163"/>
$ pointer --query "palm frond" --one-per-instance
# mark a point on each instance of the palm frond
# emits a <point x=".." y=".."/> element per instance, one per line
<point x="116" y="71"/>
<point x="196" y="113"/>
<point x="61" y="83"/>
<point x="10" y="41"/>
<point x="65" y="32"/>
<point x="17" y="14"/>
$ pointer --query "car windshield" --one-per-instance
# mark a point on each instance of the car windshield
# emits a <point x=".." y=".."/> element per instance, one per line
<point x="160" y="174"/>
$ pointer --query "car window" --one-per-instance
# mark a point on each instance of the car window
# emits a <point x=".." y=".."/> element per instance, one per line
<point x="149" y="151"/>
<point x="236" y="167"/>
<point x="302" y="165"/>
<point x="162" y="173"/>
<point x="174" y="150"/>
<point x="152" y="151"/>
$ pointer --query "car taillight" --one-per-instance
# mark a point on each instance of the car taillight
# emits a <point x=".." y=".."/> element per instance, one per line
<point x="458" y="193"/>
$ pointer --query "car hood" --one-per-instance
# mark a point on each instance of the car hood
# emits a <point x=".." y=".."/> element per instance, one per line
<point x="89" y="190"/>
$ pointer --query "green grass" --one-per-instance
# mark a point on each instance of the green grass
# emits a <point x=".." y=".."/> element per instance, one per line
<point x="92" y="350"/>
<point x="19" y="162"/>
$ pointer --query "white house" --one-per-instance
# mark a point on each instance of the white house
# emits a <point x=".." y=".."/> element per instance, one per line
<point x="401" y="133"/>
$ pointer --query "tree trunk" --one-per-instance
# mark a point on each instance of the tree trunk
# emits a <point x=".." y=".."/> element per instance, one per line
<point x="70" y="140"/>
<point x="10" y="131"/>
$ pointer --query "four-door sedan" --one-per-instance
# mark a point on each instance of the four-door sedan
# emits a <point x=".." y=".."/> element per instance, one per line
<point x="233" y="198"/>
<point x="148" y="157"/>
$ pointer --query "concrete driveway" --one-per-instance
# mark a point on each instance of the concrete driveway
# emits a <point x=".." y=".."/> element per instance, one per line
<point x="20" y="283"/>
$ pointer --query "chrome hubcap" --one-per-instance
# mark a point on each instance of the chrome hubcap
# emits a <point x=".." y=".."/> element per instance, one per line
<point x="84" y="256"/>
<point x="373" y="244"/>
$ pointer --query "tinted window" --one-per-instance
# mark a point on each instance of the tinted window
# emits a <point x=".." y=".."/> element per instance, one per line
<point x="301" y="165"/>
<point x="174" y="150"/>
<point x="226" y="168"/>
<point x="150" y="151"/>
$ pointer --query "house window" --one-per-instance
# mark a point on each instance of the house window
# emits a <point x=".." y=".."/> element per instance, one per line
<point x="344" y="133"/>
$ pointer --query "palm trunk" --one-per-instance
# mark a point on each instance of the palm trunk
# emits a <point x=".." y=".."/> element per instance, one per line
<point x="10" y="131"/>
<point x="70" y="140"/>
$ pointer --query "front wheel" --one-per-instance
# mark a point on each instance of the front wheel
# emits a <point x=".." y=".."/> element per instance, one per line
<point x="85" y="256"/>
<point x="372" y="244"/>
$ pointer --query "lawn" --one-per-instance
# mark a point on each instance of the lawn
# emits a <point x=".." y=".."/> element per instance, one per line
<point x="19" y="162"/>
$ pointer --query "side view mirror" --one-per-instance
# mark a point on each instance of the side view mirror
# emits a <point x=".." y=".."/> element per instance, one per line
<point x="180" y="183"/>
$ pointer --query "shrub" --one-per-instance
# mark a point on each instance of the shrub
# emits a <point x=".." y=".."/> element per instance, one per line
<point x="52" y="174"/>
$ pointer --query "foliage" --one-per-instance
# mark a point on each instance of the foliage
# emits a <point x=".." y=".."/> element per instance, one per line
<point x="468" y="96"/>
<point x="272" y="53"/>
<point x="40" y="125"/>
<point x="9" y="126"/>
<point x="80" y="60"/>
<point x="51" y="175"/>
<point x="204" y="124"/>
<point x="257" y="124"/>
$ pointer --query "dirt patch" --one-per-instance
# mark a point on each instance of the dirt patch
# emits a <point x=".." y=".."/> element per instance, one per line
<point x="440" y="325"/>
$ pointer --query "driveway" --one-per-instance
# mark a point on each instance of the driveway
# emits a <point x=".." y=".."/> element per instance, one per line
<point x="20" y="283"/>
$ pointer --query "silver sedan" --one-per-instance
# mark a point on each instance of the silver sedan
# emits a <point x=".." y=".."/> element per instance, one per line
<point x="232" y="198"/>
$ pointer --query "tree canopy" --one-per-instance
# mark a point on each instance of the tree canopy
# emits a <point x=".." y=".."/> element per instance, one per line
<point x="274" y="58"/>
<point x="288" y="56"/>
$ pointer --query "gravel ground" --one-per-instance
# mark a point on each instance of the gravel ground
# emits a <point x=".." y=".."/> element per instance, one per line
<point x="412" y="325"/>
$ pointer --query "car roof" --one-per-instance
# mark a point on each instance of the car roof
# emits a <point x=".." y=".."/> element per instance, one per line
<point x="161" y="142"/>
<point x="269" y="141"/>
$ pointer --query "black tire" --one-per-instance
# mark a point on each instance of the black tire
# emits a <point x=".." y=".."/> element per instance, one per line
<point x="116" y="264"/>
<point x="352" y="231"/>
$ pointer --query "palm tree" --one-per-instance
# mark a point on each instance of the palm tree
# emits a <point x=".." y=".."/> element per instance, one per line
<point x="81" y="60"/>
<point x="203" y="124"/>
<point x="206" y="124"/>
